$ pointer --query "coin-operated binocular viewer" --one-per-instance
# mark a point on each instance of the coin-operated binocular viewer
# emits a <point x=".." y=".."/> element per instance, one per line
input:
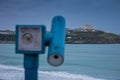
<point x="31" y="41"/>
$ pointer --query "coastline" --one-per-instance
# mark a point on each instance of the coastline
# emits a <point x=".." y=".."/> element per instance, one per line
<point x="13" y="42"/>
<point x="7" y="42"/>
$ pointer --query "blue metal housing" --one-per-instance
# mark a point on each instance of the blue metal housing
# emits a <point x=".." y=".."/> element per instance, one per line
<point x="33" y="51"/>
<point x="55" y="40"/>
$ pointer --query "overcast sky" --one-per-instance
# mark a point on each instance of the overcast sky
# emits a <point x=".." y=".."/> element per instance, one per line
<point x="101" y="14"/>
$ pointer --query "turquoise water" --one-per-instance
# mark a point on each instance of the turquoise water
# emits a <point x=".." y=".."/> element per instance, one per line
<point x="82" y="62"/>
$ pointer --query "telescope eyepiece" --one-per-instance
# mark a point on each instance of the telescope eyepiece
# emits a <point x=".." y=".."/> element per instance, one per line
<point x="55" y="60"/>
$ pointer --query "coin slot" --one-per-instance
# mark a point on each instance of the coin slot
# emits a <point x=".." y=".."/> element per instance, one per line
<point x="27" y="38"/>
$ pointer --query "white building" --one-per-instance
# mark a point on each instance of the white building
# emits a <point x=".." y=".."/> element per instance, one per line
<point x="87" y="27"/>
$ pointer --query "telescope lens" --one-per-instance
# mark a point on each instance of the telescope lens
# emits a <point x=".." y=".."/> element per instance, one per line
<point x="55" y="60"/>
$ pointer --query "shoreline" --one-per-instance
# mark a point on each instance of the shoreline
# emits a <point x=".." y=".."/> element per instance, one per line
<point x="13" y="42"/>
<point x="7" y="42"/>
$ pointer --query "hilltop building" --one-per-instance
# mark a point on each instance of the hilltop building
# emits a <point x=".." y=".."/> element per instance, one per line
<point x="85" y="28"/>
<point x="88" y="28"/>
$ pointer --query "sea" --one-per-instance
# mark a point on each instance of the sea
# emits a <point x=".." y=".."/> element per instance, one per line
<point x="82" y="62"/>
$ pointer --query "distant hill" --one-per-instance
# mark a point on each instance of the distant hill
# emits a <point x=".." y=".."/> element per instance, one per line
<point x="91" y="37"/>
<point x="7" y="36"/>
<point x="86" y="35"/>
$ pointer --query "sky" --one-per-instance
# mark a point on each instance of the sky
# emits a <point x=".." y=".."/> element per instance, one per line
<point x="101" y="14"/>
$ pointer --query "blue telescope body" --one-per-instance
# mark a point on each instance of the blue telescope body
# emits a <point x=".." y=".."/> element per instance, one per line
<point x="31" y="41"/>
<point x="57" y="40"/>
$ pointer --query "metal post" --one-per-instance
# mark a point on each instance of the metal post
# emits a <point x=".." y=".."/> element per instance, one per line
<point x="31" y="66"/>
